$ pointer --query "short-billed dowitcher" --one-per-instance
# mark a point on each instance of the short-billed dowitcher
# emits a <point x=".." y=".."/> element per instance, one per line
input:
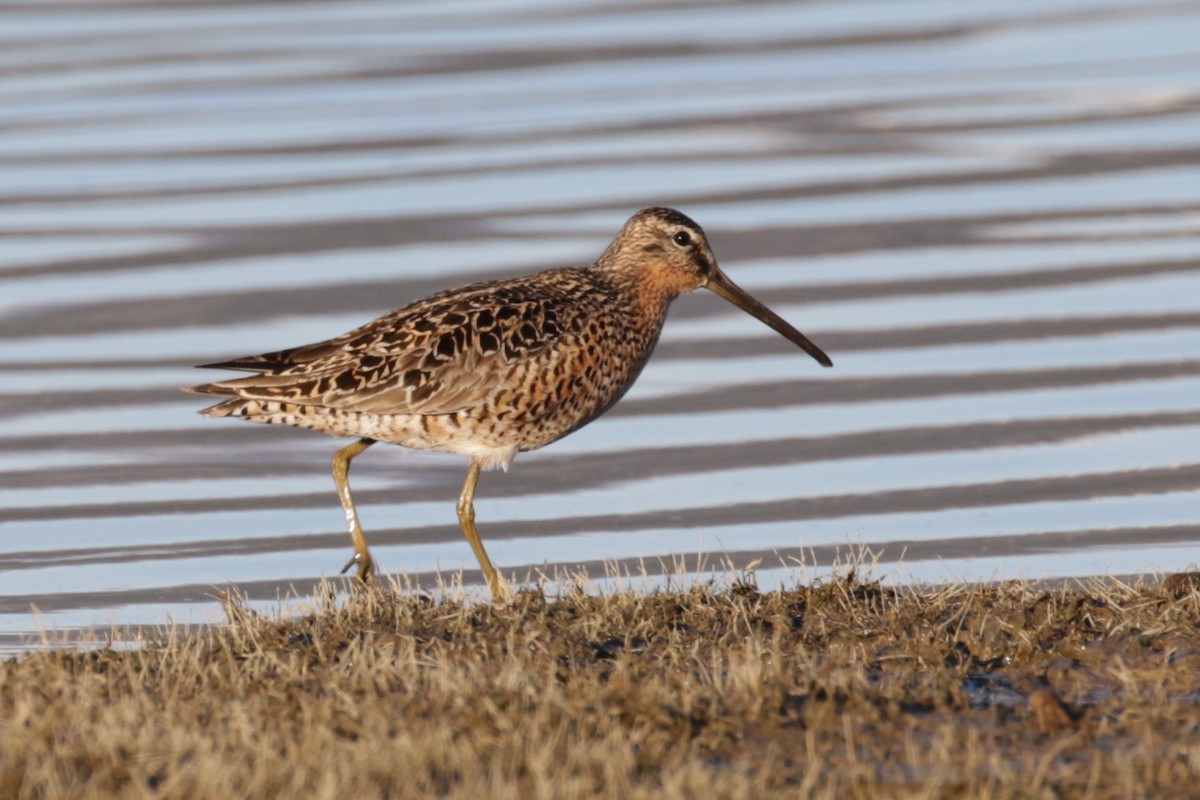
<point x="492" y="369"/>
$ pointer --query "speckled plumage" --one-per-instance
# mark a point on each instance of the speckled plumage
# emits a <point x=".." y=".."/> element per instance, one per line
<point x="495" y="368"/>
<point x="489" y="369"/>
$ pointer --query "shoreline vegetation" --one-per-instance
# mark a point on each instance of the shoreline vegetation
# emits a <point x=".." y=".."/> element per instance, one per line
<point x="839" y="689"/>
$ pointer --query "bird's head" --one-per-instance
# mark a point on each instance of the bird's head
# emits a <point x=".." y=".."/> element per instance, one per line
<point x="667" y="252"/>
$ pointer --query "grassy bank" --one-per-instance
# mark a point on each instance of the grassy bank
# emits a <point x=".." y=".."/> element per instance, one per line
<point x="842" y="689"/>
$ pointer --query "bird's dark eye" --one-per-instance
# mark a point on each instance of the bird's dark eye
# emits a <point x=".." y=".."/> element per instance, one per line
<point x="683" y="239"/>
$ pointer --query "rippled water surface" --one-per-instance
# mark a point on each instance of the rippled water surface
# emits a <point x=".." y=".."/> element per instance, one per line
<point x="989" y="215"/>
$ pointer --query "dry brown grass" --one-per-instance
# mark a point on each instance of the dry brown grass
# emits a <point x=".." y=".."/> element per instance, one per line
<point x="842" y="689"/>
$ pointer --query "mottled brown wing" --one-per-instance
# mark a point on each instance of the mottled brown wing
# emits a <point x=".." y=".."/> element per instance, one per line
<point x="437" y="356"/>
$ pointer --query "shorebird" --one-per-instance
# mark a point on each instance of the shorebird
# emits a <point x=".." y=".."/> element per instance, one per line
<point x="492" y="369"/>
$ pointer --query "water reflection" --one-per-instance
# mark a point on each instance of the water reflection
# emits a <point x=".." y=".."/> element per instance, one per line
<point x="990" y="216"/>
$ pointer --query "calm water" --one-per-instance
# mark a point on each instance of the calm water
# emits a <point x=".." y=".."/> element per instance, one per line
<point x="989" y="217"/>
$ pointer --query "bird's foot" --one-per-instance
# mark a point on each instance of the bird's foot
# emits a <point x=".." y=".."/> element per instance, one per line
<point x="366" y="567"/>
<point x="500" y="591"/>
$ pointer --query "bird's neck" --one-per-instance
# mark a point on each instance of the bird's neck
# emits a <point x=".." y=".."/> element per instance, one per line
<point x="643" y="287"/>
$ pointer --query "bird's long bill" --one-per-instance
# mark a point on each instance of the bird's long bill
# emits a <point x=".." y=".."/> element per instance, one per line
<point x="720" y="285"/>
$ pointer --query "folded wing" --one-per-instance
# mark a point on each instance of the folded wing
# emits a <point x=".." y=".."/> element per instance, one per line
<point x="437" y="356"/>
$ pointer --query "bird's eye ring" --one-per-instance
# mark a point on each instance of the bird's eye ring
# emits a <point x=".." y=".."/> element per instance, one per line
<point x="683" y="239"/>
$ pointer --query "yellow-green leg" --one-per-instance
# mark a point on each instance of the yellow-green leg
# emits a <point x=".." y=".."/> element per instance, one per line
<point x="341" y="476"/>
<point x="466" y="518"/>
